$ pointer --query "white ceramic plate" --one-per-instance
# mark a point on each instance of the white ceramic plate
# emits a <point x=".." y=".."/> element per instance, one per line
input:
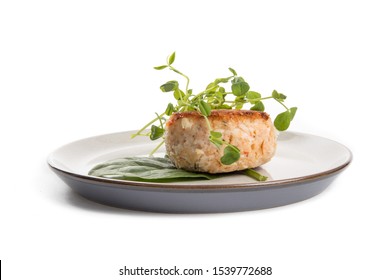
<point x="303" y="167"/>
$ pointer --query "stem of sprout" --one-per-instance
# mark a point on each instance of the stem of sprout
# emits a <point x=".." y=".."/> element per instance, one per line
<point x="208" y="123"/>
<point x="159" y="118"/>
<point x="147" y="125"/>
<point x="282" y="104"/>
<point x="156" y="148"/>
<point x="180" y="73"/>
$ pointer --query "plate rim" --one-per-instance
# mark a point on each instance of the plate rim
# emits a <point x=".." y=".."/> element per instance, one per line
<point x="182" y="186"/>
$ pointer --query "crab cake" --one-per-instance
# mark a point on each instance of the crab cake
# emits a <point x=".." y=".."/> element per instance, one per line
<point x="188" y="146"/>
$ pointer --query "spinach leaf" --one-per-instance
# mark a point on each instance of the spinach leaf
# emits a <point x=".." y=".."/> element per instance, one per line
<point x="148" y="169"/>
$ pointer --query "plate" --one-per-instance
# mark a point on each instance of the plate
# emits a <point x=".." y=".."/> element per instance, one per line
<point x="304" y="166"/>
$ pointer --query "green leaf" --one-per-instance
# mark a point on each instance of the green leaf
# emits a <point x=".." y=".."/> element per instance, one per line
<point x="160" y="67"/>
<point x="178" y="93"/>
<point x="239" y="102"/>
<point x="259" y="106"/>
<point x="239" y="105"/>
<point x="216" y="141"/>
<point x="231" y="154"/>
<point x="211" y="88"/>
<point x="169" y="86"/>
<point x="216" y="138"/>
<point x="211" y="85"/>
<point x="278" y="96"/>
<point x="251" y="95"/>
<point x="255" y="175"/>
<point x="275" y="94"/>
<point x="216" y="134"/>
<point x="293" y="110"/>
<point x="239" y="86"/>
<point x="216" y="98"/>
<point x="151" y="169"/>
<point x="282" y="96"/>
<point x="146" y="169"/>
<point x="221" y="80"/>
<point x="204" y="108"/>
<point x="282" y="121"/>
<point x="239" y="89"/>
<point x="224" y="106"/>
<point x="237" y="80"/>
<point x="170" y="109"/>
<point x="233" y="71"/>
<point x="171" y="58"/>
<point x="156" y="132"/>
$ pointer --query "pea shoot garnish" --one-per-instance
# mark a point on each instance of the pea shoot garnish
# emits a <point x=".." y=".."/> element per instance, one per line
<point x="217" y="95"/>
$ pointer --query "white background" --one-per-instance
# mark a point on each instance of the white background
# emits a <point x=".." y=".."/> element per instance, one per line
<point x="75" y="69"/>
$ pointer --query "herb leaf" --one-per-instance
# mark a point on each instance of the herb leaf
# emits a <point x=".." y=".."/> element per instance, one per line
<point x="216" y="134"/>
<point x="156" y="132"/>
<point x="169" y="86"/>
<point x="259" y="106"/>
<point x="231" y="154"/>
<point x="171" y="58"/>
<point x="239" y="86"/>
<point x="204" y="108"/>
<point x="160" y="67"/>
<point x="216" y="138"/>
<point x="253" y="96"/>
<point x="170" y="109"/>
<point x="278" y="96"/>
<point x="282" y="121"/>
<point x="293" y="110"/>
<point x="233" y="71"/>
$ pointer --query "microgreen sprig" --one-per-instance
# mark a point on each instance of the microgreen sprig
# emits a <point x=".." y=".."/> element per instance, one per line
<point x="217" y="95"/>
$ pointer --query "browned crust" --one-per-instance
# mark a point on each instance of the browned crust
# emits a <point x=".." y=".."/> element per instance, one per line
<point x="223" y="115"/>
